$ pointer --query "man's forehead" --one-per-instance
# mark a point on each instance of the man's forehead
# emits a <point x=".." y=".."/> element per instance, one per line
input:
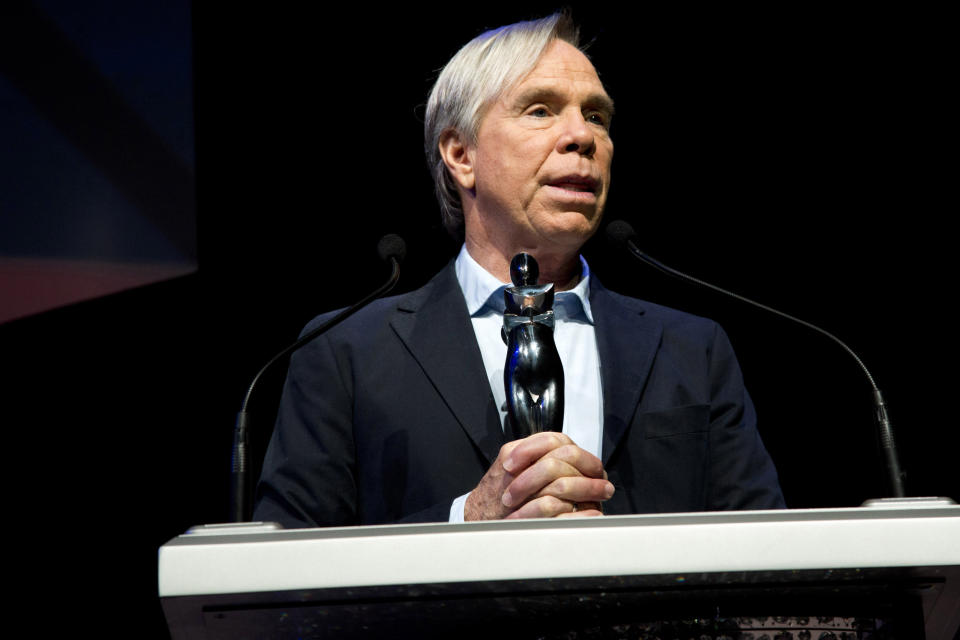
<point x="561" y="67"/>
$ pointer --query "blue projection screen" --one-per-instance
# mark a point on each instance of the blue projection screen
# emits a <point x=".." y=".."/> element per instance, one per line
<point x="96" y="150"/>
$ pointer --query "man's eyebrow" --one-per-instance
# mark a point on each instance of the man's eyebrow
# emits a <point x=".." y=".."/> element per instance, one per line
<point x="602" y="102"/>
<point x="598" y="101"/>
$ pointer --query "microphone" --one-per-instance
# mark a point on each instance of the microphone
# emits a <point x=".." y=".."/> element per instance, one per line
<point x="392" y="249"/>
<point x="392" y="246"/>
<point x="621" y="234"/>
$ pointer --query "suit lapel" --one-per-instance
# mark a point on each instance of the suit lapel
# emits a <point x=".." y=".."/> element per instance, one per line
<point x="435" y="326"/>
<point x="627" y="342"/>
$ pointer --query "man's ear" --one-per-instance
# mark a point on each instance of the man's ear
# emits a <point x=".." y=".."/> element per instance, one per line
<point x="457" y="156"/>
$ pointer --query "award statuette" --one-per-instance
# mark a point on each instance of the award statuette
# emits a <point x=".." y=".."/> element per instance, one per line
<point x="533" y="373"/>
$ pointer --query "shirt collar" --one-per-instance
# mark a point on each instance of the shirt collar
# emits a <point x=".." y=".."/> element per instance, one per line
<point x="482" y="289"/>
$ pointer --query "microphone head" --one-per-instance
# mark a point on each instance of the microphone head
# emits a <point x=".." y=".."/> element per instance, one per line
<point x="392" y="246"/>
<point x="619" y="233"/>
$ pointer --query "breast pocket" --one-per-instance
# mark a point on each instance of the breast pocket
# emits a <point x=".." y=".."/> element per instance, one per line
<point x="675" y="421"/>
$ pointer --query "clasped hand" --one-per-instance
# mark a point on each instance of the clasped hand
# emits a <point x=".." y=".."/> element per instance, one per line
<point x="542" y="476"/>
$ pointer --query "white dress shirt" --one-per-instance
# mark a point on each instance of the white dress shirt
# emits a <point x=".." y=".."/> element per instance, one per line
<point x="576" y="342"/>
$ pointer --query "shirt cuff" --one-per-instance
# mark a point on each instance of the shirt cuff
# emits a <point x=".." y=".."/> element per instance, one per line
<point x="456" y="509"/>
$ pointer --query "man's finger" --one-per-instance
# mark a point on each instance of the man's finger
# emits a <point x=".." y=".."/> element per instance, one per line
<point x="535" y="478"/>
<point x="545" y="507"/>
<point x="532" y="448"/>
<point x="585" y="462"/>
<point x="552" y="476"/>
<point x="578" y="490"/>
<point x="580" y="513"/>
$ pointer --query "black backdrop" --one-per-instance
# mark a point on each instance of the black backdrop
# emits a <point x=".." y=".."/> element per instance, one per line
<point x="797" y="156"/>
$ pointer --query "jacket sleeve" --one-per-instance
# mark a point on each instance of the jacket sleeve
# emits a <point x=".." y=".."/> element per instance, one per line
<point x="741" y="472"/>
<point x="308" y="476"/>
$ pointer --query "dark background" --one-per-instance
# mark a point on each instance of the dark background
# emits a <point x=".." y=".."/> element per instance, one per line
<point x="798" y="156"/>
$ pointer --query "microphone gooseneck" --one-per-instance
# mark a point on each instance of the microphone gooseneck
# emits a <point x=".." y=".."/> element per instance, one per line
<point x="621" y="234"/>
<point x="391" y="248"/>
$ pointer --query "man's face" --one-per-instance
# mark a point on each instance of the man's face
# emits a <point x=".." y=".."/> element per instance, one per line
<point x="543" y="152"/>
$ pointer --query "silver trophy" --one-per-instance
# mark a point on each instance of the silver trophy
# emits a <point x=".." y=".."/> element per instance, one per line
<point x="533" y="373"/>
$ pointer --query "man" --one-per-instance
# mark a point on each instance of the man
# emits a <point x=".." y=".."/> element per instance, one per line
<point x="395" y="415"/>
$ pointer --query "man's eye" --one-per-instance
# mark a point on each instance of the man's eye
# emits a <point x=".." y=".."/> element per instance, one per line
<point x="540" y="112"/>
<point x="596" y="118"/>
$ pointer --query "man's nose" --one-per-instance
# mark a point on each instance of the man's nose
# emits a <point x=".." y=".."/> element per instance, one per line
<point x="576" y="135"/>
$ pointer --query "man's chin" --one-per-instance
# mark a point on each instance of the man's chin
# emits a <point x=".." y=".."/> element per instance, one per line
<point x="570" y="228"/>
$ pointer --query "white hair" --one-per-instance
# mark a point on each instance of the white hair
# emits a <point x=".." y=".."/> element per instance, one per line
<point x="474" y="78"/>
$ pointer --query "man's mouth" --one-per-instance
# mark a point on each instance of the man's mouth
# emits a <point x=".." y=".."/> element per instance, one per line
<point x="576" y="183"/>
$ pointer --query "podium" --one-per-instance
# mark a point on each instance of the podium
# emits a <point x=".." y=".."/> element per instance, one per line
<point x="893" y="566"/>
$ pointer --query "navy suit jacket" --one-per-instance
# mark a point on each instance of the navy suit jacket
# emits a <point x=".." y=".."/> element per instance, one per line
<point x="389" y="416"/>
